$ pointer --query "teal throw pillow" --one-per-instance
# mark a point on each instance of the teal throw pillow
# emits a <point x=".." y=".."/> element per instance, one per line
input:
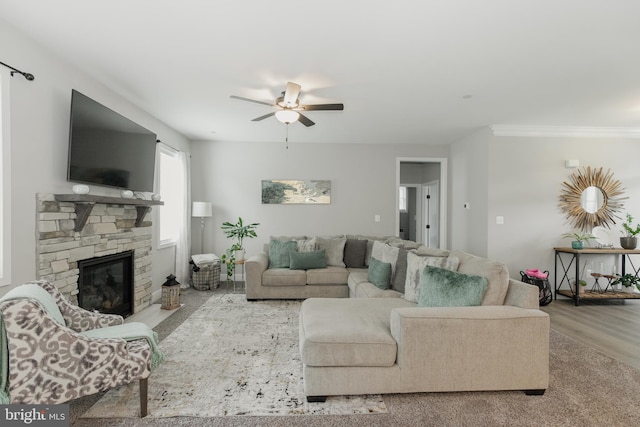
<point x="440" y="287"/>
<point x="279" y="252"/>
<point x="379" y="273"/>
<point x="307" y="260"/>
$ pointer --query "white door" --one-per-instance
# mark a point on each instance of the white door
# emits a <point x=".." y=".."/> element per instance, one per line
<point x="431" y="212"/>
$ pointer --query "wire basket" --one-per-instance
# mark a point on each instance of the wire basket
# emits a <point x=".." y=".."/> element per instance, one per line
<point x="206" y="277"/>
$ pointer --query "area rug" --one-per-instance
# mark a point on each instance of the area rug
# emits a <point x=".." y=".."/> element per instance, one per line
<point x="231" y="357"/>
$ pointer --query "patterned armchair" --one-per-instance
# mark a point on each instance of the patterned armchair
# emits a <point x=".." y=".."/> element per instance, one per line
<point x="48" y="360"/>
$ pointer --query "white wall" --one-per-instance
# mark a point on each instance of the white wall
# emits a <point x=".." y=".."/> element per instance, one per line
<point x="363" y="179"/>
<point x="525" y="178"/>
<point x="468" y="177"/>
<point x="39" y="140"/>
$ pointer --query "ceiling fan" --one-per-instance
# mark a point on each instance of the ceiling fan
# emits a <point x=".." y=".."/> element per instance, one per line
<point x="289" y="108"/>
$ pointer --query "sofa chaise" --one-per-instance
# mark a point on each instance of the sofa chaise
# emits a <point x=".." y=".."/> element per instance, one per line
<point x="415" y="334"/>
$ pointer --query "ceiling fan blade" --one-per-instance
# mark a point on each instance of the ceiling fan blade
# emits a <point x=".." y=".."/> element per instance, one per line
<point x="291" y="94"/>
<point x="266" y="116"/>
<point x="322" y="107"/>
<point x="251" y="100"/>
<point x="305" y="120"/>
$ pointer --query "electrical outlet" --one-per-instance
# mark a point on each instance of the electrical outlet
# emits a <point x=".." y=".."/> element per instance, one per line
<point x="499" y="220"/>
<point x="376" y="218"/>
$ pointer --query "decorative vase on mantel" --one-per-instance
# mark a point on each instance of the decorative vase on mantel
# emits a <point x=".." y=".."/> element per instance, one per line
<point x="629" y="242"/>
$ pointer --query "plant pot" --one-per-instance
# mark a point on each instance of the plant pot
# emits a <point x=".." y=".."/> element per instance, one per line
<point x="577" y="244"/>
<point x="628" y="242"/>
<point x="239" y="255"/>
<point x="581" y="288"/>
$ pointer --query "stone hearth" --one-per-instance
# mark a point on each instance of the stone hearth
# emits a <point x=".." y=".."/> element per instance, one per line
<point x="110" y="228"/>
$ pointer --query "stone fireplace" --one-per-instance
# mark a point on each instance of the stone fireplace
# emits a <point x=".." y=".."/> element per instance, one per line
<point x="75" y="228"/>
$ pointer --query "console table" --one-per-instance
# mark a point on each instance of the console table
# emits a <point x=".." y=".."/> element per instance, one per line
<point x="568" y="258"/>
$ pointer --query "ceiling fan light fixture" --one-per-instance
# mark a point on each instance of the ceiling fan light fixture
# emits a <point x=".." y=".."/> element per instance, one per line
<point x="287" y="116"/>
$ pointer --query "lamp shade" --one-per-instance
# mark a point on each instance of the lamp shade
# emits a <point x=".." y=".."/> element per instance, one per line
<point x="201" y="209"/>
<point x="287" y="116"/>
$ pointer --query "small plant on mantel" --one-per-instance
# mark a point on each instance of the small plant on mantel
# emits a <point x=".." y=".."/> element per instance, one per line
<point x="578" y="239"/>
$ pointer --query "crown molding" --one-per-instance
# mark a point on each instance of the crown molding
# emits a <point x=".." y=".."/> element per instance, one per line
<point x="565" y="131"/>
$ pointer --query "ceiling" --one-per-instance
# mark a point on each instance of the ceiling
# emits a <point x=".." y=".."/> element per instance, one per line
<point x="407" y="71"/>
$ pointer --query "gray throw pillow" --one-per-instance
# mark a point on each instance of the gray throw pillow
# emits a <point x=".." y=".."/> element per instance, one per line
<point x="354" y="253"/>
<point x="307" y="260"/>
<point x="334" y="250"/>
<point x="379" y="273"/>
<point x="279" y="253"/>
<point x="440" y="287"/>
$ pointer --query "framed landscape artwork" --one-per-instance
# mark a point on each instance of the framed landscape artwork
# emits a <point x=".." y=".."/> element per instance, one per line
<point x="296" y="192"/>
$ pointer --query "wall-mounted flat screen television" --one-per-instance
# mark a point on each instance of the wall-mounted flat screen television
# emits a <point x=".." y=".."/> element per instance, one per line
<point x="108" y="149"/>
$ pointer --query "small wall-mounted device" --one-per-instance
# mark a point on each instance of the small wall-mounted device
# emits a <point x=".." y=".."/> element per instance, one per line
<point x="571" y="163"/>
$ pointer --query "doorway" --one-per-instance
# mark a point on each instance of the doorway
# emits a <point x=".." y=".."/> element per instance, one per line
<point x="423" y="180"/>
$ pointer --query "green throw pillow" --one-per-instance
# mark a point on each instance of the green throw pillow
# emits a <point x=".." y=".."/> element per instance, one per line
<point x="379" y="273"/>
<point x="279" y="253"/>
<point x="307" y="260"/>
<point x="440" y="287"/>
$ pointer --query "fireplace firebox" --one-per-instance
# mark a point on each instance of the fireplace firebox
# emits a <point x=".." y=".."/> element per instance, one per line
<point x="106" y="283"/>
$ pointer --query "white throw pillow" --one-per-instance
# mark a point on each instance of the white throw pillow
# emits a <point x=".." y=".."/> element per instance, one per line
<point x="307" y="245"/>
<point x="415" y="265"/>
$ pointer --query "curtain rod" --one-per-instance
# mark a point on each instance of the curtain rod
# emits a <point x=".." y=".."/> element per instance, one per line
<point x="167" y="145"/>
<point x="27" y="76"/>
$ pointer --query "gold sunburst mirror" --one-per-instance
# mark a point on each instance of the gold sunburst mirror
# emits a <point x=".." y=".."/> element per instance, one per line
<point x="591" y="198"/>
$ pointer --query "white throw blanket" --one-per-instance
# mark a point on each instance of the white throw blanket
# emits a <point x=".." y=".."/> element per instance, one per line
<point x="203" y="260"/>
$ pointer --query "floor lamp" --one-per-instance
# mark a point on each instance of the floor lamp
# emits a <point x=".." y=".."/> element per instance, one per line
<point x="201" y="210"/>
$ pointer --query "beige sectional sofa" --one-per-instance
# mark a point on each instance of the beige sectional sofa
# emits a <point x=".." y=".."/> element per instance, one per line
<point x="387" y="341"/>
<point x="265" y="282"/>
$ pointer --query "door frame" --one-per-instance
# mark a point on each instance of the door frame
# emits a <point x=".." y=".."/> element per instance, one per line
<point x="443" y="193"/>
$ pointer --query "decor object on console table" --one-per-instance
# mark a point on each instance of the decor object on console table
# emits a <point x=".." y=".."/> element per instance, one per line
<point x="628" y="280"/>
<point x="578" y="239"/>
<point x="630" y="241"/>
<point x="170" y="293"/>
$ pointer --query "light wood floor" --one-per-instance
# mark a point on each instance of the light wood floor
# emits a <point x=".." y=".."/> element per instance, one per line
<point x="612" y="326"/>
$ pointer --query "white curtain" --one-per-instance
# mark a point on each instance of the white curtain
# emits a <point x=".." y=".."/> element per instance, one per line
<point x="183" y="245"/>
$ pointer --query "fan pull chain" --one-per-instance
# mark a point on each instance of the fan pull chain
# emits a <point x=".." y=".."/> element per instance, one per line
<point x="286" y="138"/>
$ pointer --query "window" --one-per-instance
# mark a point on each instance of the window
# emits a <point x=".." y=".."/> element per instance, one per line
<point x="403" y="199"/>
<point x="5" y="181"/>
<point x="170" y="185"/>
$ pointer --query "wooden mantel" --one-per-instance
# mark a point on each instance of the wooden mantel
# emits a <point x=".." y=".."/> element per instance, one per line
<point x="84" y="204"/>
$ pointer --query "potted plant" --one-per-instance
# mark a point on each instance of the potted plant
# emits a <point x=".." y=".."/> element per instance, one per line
<point x="582" y="285"/>
<point x="578" y="239"/>
<point x="239" y="231"/>
<point x="630" y="240"/>
<point x="627" y="281"/>
<point x="229" y="258"/>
